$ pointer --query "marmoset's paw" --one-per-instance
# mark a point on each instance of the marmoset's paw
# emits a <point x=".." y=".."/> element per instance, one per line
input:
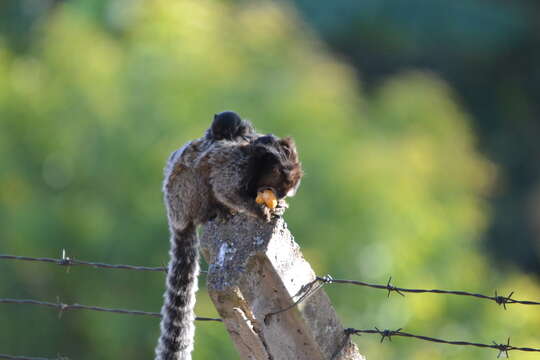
<point x="280" y="208"/>
<point x="267" y="217"/>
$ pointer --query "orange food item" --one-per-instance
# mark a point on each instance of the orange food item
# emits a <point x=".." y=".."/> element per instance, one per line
<point x="267" y="197"/>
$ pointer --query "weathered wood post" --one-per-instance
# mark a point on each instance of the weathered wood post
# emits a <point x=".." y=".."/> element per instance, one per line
<point x="257" y="269"/>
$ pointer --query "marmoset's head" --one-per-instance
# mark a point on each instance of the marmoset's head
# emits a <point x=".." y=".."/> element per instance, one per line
<point x="228" y="125"/>
<point x="275" y="166"/>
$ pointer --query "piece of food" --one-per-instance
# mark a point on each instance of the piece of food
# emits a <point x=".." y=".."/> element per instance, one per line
<point x="267" y="197"/>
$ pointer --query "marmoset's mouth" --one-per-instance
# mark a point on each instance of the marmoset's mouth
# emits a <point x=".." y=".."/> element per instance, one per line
<point x="262" y="188"/>
<point x="267" y="197"/>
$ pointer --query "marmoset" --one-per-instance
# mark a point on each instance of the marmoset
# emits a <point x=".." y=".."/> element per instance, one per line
<point x="221" y="173"/>
<point x="228" y="125"/>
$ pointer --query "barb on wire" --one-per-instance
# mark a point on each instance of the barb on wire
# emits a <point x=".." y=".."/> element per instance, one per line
<point x="68" y="261"/>
<point x="391" y="288"/>
<point x="498" y="299"/>
<point x="501" y="300"/>
<point x="386" y="334"/>
<point x="64" y="307"/>
<point x="12" y="357"/>
<point x="502" y="348"/>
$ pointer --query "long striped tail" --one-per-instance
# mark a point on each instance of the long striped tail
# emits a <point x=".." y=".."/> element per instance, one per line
<point x="177" y="323"/>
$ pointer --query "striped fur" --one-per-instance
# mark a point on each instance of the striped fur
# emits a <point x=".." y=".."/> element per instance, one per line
<point x="177" y="323"/>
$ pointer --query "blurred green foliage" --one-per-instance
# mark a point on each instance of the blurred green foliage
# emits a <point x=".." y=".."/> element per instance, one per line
<point x="88" y="115"/>
<point x="489" y="51"/>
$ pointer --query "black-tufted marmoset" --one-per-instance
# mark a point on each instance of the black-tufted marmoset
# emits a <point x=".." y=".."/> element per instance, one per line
<point x="216" y="175"/>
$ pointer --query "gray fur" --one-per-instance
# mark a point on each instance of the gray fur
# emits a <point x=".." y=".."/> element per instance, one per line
<point x="204" y="179"/>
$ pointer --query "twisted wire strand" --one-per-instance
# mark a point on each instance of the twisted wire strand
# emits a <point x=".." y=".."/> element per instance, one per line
<point x="65" y="307"/>
<point x="387" y="334"/>
<point x="500" y="300"/>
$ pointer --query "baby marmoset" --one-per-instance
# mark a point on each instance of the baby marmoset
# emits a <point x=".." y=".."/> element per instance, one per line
<point x="220" y="173"/>
<point x="228" y="125"/>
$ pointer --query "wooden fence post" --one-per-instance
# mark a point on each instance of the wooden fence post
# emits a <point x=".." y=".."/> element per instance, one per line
<point x="256" y="271"/>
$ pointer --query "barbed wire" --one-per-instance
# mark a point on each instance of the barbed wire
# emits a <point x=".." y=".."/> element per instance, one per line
<point x="305" y="292"/>
<point x="498" y="299"/>
<point x="12" y="357"/>
<point x="310" y="288"/>
<point x="70" y="261"/>
<point x="64" y="307"/>
<point x="313" y="286"/>
<point x="387" y="334"/>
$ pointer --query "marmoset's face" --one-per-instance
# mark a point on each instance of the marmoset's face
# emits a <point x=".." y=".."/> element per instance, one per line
<point x="278" y="166"/>
<point x="282" y="180"/>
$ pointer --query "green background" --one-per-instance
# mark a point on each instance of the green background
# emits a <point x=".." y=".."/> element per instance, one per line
<point x="95" y="95"/>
